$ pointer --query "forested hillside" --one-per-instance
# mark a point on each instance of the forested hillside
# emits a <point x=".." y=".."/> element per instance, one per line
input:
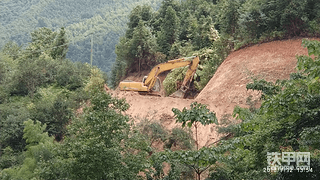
<point x="104" y="19"/>
<point x="209" y="29"/>
<point x="57" y="121"/>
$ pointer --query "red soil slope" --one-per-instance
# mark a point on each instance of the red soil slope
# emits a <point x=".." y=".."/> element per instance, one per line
<point x="227" y="88"/>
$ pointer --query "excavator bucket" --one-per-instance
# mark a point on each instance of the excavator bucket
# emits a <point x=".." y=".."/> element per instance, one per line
<point x="178" y="94"/>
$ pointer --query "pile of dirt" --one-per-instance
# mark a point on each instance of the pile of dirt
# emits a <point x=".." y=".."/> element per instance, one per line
<point x="227" y="88"/>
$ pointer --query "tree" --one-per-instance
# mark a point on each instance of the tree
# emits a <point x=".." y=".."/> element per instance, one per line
<point x="42" y="42"/>
<point x="159" y="16"/>
<point x="32" y="73"/>
<point x="117" y="72"/>
<point x="11" y="49"/>
<point x="39" y="149"/>
<point x="8" y="68"/>
<point x="36" y="65"/>
<point x="227" y="17"/>
<point x="53" y="108"/>
<point x="198" y="160"/>
<point x="169" y="31"/>
<point x="138" y="53"/>
<point x="100" y="144"/>
<point x="143" y="47"/>
<point x="198" y="113"/>
<point x="204" y="33"/>
<point x="182" y="162"/>
<point x="60" y="46"/>
<point x="12" y="116"/>
<point x="139" y="13"/>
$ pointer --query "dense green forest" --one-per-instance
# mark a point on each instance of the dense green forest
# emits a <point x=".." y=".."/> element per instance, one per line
<point x="57" y="122"/>
<point x="105" y="20"/>
<point x="209" y="29"/>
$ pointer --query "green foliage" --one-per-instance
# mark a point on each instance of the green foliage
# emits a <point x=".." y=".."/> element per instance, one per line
<point x="36" y="68"/>
<point x="106" y="20"/>
<point x="153" y="131"/>
<point x="198" y="160"/>
<point x="43" y="86"/>
<point x="72" y="75"/>
<point x="170" y="82"/>
<point x="228" y="15"/>
<point x="310" y="137"/>
<point x="60" y="46"/>
<point x="197" y="113"/>
<point x="10" y="158"/>
<point x="8" y="68"/>
<point x="174" y="52"/>
<point x="267" y="88"/>
<point x="135" y="52"/>
<point x="252" y="21"/>
<point x="53" y="108"/>
<point x="39" y="149"/>
<point x="98" y="145"/>
<point x="96" y="81"/>
<point x="34" y="133"/>
<point x="183" y="163"/>
<point x="288" y="120"/>
<point x="33" y="73"/>
<point x="177" y="138"/>
<point x="177" y="29"/>
<point x="45" y="65"/>
<point x="169" y="31"/>
<point x="11" y="49"/>
<point x="139" y="13"/>
<point x="12" y="116"/>
<point x="180" y="138"/>
<point x="210" y="60"/>
<point x="204" y="33"/>
<point x="117" y="72"/>
<point x="139" y="52"/>
<point x="142" y="49"/>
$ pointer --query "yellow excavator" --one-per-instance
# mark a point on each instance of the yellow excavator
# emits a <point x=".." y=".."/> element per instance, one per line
<point x="151" y="84"/>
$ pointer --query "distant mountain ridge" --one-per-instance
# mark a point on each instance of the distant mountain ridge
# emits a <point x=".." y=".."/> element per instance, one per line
<point x="106" y="20"/>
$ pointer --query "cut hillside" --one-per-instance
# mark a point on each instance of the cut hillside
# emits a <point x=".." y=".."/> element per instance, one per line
<point x="270" y="61"/>
<point x="226" y="89"/>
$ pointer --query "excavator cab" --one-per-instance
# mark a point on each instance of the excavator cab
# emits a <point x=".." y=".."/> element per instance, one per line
<point x="157" y="85"/>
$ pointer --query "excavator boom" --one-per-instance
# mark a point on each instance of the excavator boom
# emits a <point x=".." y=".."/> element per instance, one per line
<point x="152" y="83"/>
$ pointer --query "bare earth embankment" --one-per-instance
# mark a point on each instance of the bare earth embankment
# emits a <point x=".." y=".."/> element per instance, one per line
<point x="226" y="89"/>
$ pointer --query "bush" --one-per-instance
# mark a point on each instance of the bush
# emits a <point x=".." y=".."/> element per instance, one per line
<point x="180" y="139"/>
<point x="170" y="82"/>
<point x="52" y="107"/>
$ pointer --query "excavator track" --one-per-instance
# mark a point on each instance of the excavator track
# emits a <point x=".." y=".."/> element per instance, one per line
<point x="149" y="93"/>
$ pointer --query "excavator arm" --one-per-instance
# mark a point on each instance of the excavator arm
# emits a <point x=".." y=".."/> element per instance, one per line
<point x="187" y="79"/>
<point x="148" y="83"/>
